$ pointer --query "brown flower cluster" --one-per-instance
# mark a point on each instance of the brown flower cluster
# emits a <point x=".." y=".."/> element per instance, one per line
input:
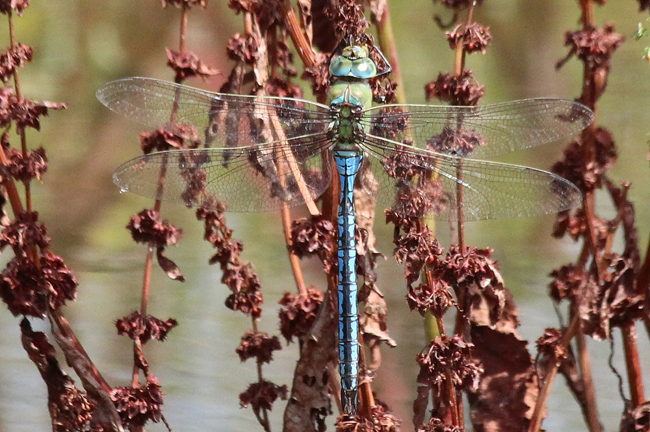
<point x="416" y="248"/>
<point x="416" y="201"/>
<point x="261" y="396"/>
<point x="298" y="313"/>
<point x="30" y="288"/>
<point x="258" y="345"/>
<point x="147" y="228"/>
<point x="447" y="359"/>
<point x="348" y="18"/>
<point x="26" y="167"/>
<point x="576" y="227"/>
<point x="240" y="278"/>
<point x="457" y="90"/>
<point x="314" y="236"/>
<point x="24" y="232"/>
<point x="181" y="137"/>
<point x="474" y="37"/>
<point x="588" y="174"/>
<point x="9" y="6"/>
<point x="460" y="143"/>
<point x="188" y="65"/>
<point x="569" y="282"/>
<point x="550" y="345"/>
<point x="637" y="419"/>
<point x="380" y="421"/>
<point x="437" y="425"/>
<point x="144" y="328"/>
<point x="13" y="58"/>
<point x="243" y="48"/>
<point x="137" y="405"/>
<point x="319" y="75"/>
<point x="616" y="302"/>
<point x="389" y="123"/>
<point x="595" y="47"/>
<point x="23" y="112"/>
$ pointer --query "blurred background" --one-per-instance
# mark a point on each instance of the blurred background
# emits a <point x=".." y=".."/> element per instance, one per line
<point x="78" y="45"/>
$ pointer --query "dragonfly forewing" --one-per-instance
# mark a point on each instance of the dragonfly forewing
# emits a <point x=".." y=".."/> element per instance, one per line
<point x="219" y="120"/>
<point x="479" y="132"/>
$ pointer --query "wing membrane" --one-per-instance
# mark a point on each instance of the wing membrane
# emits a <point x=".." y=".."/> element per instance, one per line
<point x="484" y="131"/>
<point x="246" y="179"/>
<point x="489" y="190"/>
<point x="221" y="120"/>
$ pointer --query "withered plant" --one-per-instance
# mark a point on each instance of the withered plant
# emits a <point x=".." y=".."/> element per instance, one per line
<point x="482" y="362"/>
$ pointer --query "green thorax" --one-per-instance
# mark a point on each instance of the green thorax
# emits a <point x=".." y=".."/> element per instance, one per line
<point x="350" y="93"/>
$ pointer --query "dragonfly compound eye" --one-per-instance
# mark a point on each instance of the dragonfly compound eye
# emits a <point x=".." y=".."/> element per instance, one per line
<point x="364" y="68"/>
<point x="340" y="66"/>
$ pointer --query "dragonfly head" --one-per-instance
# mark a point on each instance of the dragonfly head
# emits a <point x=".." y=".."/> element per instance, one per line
<point x="354" y="62"/>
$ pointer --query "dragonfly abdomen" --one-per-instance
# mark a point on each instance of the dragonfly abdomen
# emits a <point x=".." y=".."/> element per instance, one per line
<point x="348" y="166"/>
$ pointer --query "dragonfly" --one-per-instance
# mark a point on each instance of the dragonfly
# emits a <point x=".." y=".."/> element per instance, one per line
<point x="263" y="153"/>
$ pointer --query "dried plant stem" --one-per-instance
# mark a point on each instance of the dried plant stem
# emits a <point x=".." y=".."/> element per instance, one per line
<point x="10" y="186"/>
<point x="643" y="286"/>
<point x="293" y="258"/>
<point x="300" y="41"/>
<point x="591" y="410"/>
<point x="183" y="29"/>
<point x="366" y="398"/>
<point x="633" y="364"/>
<point x="386" y="39"/>
<point x="549" y="378"/>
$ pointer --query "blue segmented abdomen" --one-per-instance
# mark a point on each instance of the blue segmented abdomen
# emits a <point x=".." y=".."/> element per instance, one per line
<point x="348" y="167"/>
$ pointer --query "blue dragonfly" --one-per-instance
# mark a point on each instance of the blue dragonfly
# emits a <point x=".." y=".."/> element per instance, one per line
<point x="261" y="153"/>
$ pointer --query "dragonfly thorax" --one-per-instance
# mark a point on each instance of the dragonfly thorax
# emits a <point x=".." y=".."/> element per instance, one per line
<point x="346" y="131"/>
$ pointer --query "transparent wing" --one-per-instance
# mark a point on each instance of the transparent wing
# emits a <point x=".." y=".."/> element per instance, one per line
<point x="479" y="132"/>
<point x="246" y="179"/>
<point x="433" y="184"/>
<point x="219" y="120"/>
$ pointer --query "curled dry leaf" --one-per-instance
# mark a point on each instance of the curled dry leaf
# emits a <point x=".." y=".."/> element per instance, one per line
<point x="70" y="409"/>
<point x="169" y="266"/>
